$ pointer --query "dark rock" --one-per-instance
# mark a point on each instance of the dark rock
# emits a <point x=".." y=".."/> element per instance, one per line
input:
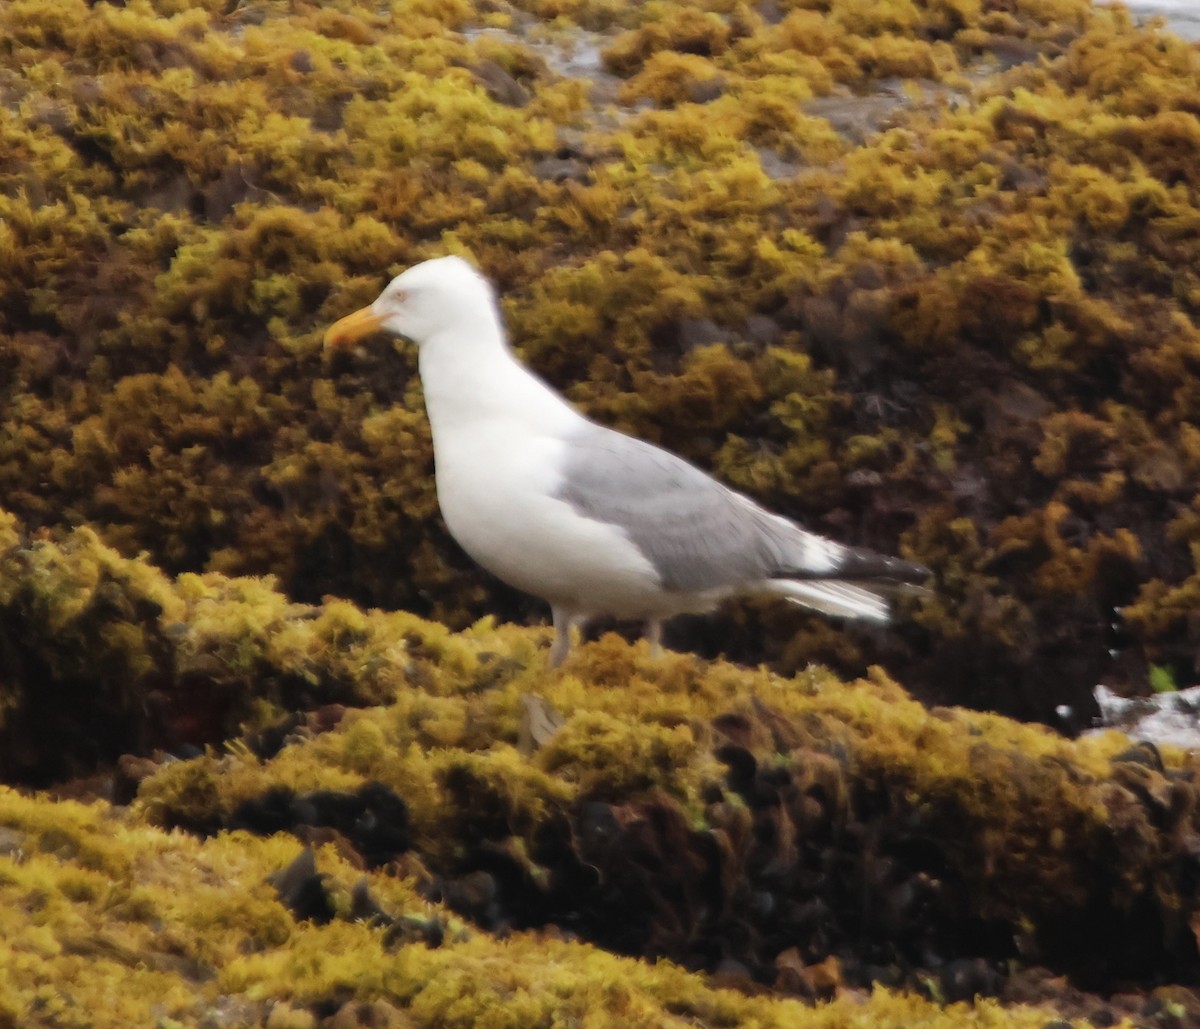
<point x="560" y="169"/>
<point x="373" y="819"/>
<point x="301" y="889"/>
<point x="11" y="841"/>
<point x="500" y="85"/>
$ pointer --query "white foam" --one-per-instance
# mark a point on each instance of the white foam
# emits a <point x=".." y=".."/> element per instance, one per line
<point x="1165" y="719"/>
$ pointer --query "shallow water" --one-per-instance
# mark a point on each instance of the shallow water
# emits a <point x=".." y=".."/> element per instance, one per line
<point x="1183" y="16"/>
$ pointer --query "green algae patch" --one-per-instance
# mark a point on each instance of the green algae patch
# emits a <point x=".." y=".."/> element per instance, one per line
<point x="819" y="836"/>
<point x="675" y="797"/>
<point x="109" y="922"/>
<point x="1008" y="825"/>
<point x="107" y="655"/>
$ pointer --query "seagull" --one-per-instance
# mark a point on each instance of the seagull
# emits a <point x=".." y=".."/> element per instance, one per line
<point x="589" y="519"/>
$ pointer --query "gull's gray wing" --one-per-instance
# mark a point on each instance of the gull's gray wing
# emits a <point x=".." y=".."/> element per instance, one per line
<point x="698" y="534"/>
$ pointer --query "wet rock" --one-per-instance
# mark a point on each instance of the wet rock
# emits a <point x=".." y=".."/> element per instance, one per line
<point x="379" y="1014"/>
<point x="561" y="169"/>
<point x="373" y="820"/>
<point x="131" y="770"/>
<point x="301" y="889"/>
<point x="500" y="85"/>
<point x="1165" y="719"/>
<point x="11" y="841"/>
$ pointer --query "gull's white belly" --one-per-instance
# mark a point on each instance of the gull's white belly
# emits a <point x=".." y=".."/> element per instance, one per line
<point x="497" y="495"/>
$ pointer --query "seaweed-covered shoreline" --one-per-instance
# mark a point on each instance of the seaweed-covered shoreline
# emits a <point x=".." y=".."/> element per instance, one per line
<point x="807" y="837"/>
<point x="920" y="273"/>
<point x="473" y="814"/>
<point x="957" y="324"/>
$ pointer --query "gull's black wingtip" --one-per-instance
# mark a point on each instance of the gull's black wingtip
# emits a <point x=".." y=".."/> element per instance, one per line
<point x="866" y="567"/>
<point x="861" y="565"/>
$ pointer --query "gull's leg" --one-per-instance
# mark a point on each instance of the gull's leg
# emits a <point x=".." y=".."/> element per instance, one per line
<point x="654" y="636"/>
<point x="564" y="622"/>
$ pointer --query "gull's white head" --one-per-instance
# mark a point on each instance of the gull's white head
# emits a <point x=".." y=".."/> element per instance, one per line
<point x="427" y="299"/>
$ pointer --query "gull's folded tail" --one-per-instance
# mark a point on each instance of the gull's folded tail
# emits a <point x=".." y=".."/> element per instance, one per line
<point x="832" y="597"/>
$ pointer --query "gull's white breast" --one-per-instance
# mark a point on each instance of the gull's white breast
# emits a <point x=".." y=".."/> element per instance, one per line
<point x="498" y="493"/>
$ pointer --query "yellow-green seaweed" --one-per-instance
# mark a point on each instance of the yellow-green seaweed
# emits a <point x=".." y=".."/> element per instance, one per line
<point x="922" y="273"/>
<point x="856" y="192"/>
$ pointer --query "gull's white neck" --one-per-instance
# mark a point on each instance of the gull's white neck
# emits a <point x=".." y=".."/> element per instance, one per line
<point x="471" y="378"/>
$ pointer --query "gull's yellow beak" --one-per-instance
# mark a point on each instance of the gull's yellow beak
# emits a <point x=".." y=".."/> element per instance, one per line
<point x="352" y="328"/>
